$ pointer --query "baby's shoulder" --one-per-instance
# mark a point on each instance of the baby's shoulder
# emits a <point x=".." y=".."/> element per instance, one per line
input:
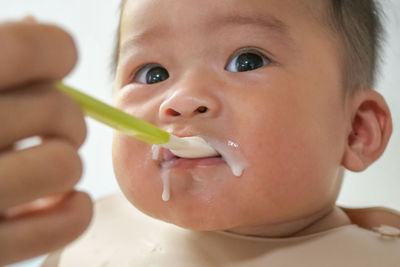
<point x="373" y="217"/>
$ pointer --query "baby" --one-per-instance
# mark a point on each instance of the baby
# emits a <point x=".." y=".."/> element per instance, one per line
<point x="283" y="90"/>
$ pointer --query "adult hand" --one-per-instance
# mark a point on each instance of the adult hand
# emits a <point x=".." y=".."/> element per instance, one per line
<point x="39" y="209"/>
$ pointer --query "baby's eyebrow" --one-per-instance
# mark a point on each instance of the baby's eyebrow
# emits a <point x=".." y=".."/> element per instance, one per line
<point x="266" y="21"/>
<point x="269" y="23"/>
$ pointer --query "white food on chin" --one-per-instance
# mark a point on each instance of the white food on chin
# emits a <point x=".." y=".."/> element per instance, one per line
<point x="166" y="185"/>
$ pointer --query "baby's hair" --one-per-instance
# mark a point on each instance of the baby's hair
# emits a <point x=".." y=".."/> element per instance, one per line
<point x="357" y="23"/>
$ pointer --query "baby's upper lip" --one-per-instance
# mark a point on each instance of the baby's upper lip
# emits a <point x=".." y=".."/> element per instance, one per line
<point x="183" y="133"/>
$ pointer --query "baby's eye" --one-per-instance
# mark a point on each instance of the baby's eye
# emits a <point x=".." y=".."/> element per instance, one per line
<point x="247" y="61"/>
<point x="151" y="73"/>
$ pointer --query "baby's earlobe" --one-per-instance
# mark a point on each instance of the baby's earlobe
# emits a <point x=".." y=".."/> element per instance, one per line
<point x="352" y="159"/>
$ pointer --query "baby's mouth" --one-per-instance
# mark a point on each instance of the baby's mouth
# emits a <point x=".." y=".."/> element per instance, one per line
<point x="168" y="161"/>
<point x="224" y="152"/>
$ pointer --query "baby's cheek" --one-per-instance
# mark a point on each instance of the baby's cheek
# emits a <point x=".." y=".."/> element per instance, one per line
<point x="134" y="169"/>
<point x="292" y="175"/>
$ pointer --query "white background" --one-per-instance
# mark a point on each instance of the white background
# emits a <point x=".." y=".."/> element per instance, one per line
<point x="93" y="24"/>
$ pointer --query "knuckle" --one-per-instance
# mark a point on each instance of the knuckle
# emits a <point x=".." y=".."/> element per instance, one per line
<point x="85" y="211"/>
<point x="48" y="101"/>
<point x="78" y="124"/>
<point x="56" y="113"/>
<point x="51" y="231"/>
<point x="66" y="163"/>
<point x="63" y="114"/>
<point x="47" y="51"/>
<point x="79" y="213"/>
<point x="50" y="105"/>
<point x="64" y="42"/>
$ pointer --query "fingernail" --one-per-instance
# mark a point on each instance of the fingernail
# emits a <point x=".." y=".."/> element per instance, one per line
<point x="29" y="18"/>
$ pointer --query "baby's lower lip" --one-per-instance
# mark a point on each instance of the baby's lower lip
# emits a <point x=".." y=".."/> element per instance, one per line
<point x="183" y="163"/>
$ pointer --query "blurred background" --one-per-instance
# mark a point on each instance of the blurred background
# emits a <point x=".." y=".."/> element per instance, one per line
<point x="93" y="24"/>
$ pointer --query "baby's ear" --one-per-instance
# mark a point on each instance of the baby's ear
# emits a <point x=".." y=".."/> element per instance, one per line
<point x="369" y="132"/>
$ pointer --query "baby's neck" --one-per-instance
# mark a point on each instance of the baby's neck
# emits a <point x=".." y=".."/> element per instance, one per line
<point x="318" y="222"/>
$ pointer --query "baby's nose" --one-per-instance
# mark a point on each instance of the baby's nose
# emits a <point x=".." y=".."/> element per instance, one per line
<point x="184" y="104"/>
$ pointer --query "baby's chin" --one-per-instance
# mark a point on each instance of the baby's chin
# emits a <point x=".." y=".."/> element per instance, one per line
<point x="198" y="220"/>
<point x="209" y="202"/>
<point x="193" y="204"/>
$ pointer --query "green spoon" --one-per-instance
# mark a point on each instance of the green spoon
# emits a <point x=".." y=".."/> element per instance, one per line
<point x="186" y="147"/>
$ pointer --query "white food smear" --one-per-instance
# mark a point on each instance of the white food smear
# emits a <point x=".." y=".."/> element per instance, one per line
<point x="228" y="150"/>
<point x="166" y="186"/>
<point x="155" y="152"/>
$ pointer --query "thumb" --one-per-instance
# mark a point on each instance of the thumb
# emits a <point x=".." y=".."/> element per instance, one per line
<point x="29" y="18"/>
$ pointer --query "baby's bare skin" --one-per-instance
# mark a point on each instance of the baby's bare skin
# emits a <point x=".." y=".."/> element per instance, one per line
<point x="33" y="56"/>
<point x="290" y="117"/>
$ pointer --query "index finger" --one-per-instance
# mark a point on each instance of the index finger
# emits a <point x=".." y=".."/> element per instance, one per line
<point x="33" y="52"/>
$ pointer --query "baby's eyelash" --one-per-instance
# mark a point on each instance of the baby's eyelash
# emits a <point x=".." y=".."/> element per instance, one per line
<point x="252" y="49"/>
<point x="247" y="59"/>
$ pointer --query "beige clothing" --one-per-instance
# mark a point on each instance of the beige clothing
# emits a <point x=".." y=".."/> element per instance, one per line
<point x="122" y="236"/>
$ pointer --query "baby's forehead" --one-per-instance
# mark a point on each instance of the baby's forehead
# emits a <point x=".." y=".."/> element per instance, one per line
<point x="274" y="12"/>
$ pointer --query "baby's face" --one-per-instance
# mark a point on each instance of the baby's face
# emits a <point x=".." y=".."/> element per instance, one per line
<point x="261" y="78"/>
